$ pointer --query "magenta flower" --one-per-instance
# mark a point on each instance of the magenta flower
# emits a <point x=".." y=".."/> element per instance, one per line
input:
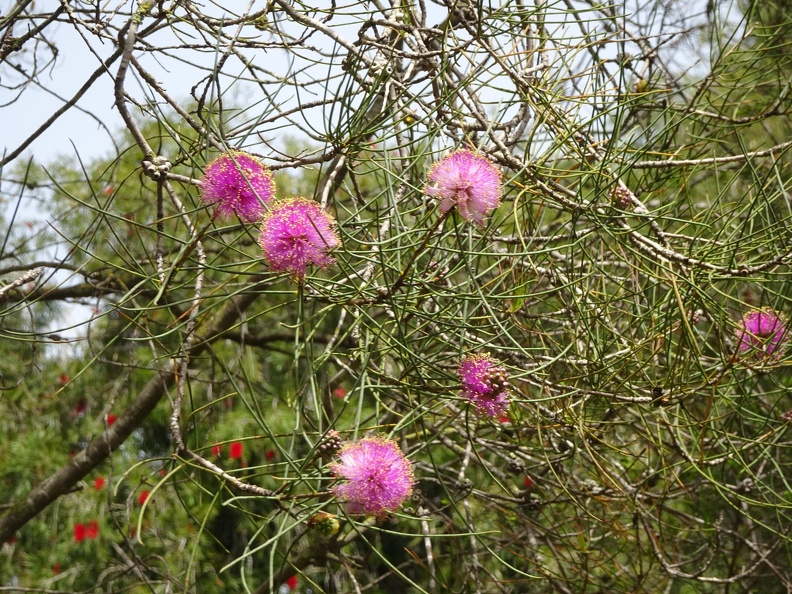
<point x="295" y="233"/>
<point x="485" y="384"/>
<point x="237" y="183"/>
<point x="763" y="330"/>
<point x="379" y="477"/>
<point x="467" y="180"/>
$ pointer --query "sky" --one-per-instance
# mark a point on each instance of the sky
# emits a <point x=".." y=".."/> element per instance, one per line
<point x="77" y="132"/>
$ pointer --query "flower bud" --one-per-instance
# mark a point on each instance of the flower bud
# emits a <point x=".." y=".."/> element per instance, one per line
<point x="324" y="523"/>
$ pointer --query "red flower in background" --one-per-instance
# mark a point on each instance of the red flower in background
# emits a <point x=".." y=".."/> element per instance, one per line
<point x="528" y="482"/>
<point x="217" y="449"/>
<point x="143" y="497"/>
<point x="79" y="532"/>
<point x="235" y="450"/>
<point x="99" y="483"/>
<point x="339" y="392"/>
<point x="78" y="412"/>
<point x="270" y="454"/>
<point x="92" y="529"/>
<point x="63" y="379"/>
<point x="292" y="582"/>
<point x="111" y="419"/>
<point x="56" y="568"/>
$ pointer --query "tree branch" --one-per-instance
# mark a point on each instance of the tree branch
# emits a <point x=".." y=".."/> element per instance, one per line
<point x="99" y="449"/>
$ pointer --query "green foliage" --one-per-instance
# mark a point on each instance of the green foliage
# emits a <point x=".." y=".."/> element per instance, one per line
<point x="644" y="211"/>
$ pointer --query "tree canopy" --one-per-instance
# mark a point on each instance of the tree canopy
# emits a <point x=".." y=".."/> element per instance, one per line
<point x="442" y="296"/>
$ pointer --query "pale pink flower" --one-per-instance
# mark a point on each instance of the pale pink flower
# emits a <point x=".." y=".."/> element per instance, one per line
<point x="763" y="330"/>
<point x="297" y="233"/>
<point x="485" y="384"/>
<point x="237" y="183"/>
<point x="467" y="180"/>
<point x="378" y="476"/>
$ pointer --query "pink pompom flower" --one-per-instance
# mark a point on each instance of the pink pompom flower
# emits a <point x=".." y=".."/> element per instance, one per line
<point x="237" y="182"/>
<point x="378" y="476"/>
<point x="297" y="233"/>
<point x="467" y="180"/>
<point x="762" y="330"/>
<point x="485" y="384"/>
